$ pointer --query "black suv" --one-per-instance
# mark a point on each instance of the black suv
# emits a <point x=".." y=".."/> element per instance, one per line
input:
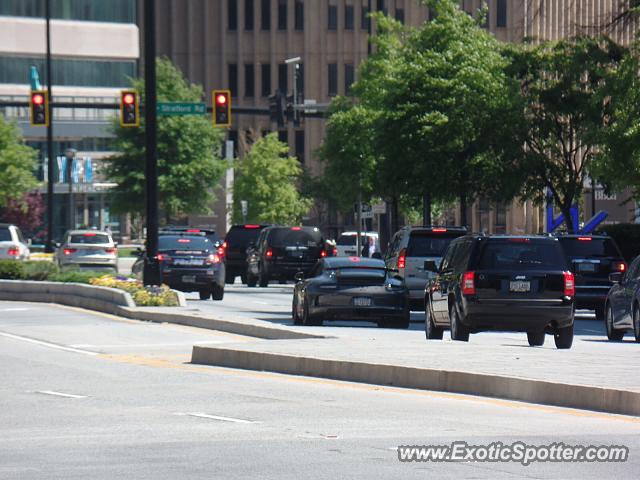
<point x="281" y="252"/>
<point x="238" y="239"/>
<point x="510" y="283"/>
<point x="592" y="258"/>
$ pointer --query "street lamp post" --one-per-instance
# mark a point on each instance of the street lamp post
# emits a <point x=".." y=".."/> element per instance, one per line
<point x="70" y="154"/>
<point x="295" y="61"/>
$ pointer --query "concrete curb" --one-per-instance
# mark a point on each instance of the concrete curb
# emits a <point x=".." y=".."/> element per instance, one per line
<point x="510" y="388"/>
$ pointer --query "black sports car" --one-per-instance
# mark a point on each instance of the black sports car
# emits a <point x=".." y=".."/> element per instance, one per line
<point x="351" y="288"/>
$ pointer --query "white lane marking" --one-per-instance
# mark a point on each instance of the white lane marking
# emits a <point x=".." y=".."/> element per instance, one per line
<point x="14" y="309"/>
<point x="142" y="345"/>
<point x="60" y="394"/>
<point x="215" y="417"/>
<point x="47" y="344"/>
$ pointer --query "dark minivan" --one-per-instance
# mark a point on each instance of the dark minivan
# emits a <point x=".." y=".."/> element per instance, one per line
<point x="592" y="258"/>
<point x="238" y="239"/>
<point x="281" y="252"/>
<point x="509" y="283"/>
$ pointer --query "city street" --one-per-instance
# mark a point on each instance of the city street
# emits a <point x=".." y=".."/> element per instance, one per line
<point x="85" y="394"/>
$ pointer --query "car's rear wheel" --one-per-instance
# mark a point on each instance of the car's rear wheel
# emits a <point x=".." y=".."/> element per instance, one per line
<point x="263" y="278"/>
<point x="204" y="294"/>
<point x="636" y="323"/>
<point x="459" y="331"/>
<point x="308" y="319"/>
<point x="564" y="337"/>
<point x="430" y="330"/>
<point x="600" y="313"/>
<point x="536" y="338"/>
<point x="251" y="280"/>
<point x="612" y="333"/>
<point x="294" y="311"/>
<point x="243" y="278"/>
<point x="217" y="292"/>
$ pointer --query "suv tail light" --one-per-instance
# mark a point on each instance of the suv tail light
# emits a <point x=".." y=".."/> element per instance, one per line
<point x="323" y="253"/>
<point x="402" y="259"/>
<point x="211" y="259"/>
<point x="69" y="251"/>
<point x="220" y="250"/>
<point x="569" y="284"/>
<point x="269" y="253"/>
<point x="619" y="266"/>
<point x="111" y="250"/>
<point x="335" y="251"/>
<point x="468" y="283"/>
<point x="13" y="252"/>
<point x="163" y="258"/>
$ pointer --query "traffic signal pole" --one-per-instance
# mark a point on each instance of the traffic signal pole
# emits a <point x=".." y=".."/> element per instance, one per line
<point x="151" y="267"/>
<point x="50" y="172"/>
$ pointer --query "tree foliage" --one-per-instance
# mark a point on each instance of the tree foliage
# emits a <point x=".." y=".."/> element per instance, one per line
<point x="266" y="179"/>
<point x="27" y="213"/>
<point x="189" y="167"/>
<point x="17" y="163"/>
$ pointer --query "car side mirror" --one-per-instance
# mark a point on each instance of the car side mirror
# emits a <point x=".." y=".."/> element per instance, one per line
<point x="431" y="266"/>
<point x="615" y="277"/>
<point x="299" y="277"/>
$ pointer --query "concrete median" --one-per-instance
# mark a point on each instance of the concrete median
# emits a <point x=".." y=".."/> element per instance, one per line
<point x="585" y="397"/>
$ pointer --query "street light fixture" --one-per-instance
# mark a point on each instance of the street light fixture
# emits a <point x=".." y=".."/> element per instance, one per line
<point x="296" y="73"/>
<point x="70" y="154"/>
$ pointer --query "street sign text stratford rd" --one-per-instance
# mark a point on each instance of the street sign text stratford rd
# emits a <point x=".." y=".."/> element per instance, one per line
<point x="168" y="108"/>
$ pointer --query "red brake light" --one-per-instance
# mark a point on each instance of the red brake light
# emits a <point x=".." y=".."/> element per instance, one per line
<point x="220" y="251"/>
<point x="469" y="283"/>
<point x="111" y="250"/>
<point x="89" y="234"/>
<point x="335" y="252"/>
<point x="184" y="240"/>
<point x="13" y="252"/>
<point x="193" y="230"/>
<point x="402" y="258"/>
<point x="439" y="230"/>
<point x="268" y="253"/>
<point x="620" y="266"/>
<point x="211" y="259"/>
<point x="252" y="226"/>
<point x="354" y="259"/>
<point x="585" y="239"/>
<point x="569" y="284"/>
<point x="69" y="251"/>
<point x="323" y="253"/>
<point x="296" y="228"/>
<point x="519" y="240"/>
<point x="163" y="257"/>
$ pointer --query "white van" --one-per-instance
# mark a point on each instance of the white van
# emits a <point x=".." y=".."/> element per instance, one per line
<point x="346" y="243"/>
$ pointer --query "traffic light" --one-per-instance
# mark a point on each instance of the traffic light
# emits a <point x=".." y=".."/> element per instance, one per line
<point x="129" y="109"/>
<point x="276" y="108"/>
<point x="39" y="108"/>
<point x="221" y="108"/>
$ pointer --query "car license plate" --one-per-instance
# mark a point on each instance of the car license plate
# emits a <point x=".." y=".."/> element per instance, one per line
<point x="362" y="302"/>
<point x="586" y="267"/>
<point x="519" y="286"/>
<point x="187" y="262"/>
<point x="188" y="279"/>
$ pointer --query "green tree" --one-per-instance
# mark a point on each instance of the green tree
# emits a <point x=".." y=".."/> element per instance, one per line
<point x="266" y="179"/>
<point x="570" y="89"/>
<point x="189" y="167"/>
<point x="17" y="163"/>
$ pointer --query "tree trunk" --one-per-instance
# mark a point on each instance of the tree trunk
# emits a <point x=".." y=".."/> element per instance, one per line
<point x="463" y="210"/>
<point x="426" y="209"/>
<point x="395" y="221"/>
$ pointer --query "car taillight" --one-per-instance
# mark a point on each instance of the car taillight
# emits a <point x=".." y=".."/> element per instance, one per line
<point x="163" y="258"/>
<point x="469" y="283"/>
<point x="335" y="252"/>
<point x="13" y="252"/>
<point x="220" y="251"/>
<point x="111" y="250"/>
<point x="69" y="251"/>
<point x="619" y="266"/>
<point x="323" y="253"/>
<point x="402" y="259"/>
<point x="268" y="253"/>
<point x="211" y="259"/>
<point x="569" y="284"/>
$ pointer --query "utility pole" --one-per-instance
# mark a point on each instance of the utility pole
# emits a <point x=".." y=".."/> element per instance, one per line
<point x="359" y="220"/>
<point x="70" y="154"/>
<point x="50" y="172"/>
<point x="151" y="267"/>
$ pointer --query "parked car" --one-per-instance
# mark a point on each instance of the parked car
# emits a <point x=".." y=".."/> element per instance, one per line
<point x="12" y="243"/>
<point x="90" y="249"/>
<point x="346" y="243"/>
<point x="351" y="288"/>
<point x="411" y="249"/>
<point x="592" y="258"/>
<point x="281" y="252"/>
<point x="622" y="306"/>
<point x="509" y="283"/>
<point x="238" y="239"/>
<point x="189" y="262"/>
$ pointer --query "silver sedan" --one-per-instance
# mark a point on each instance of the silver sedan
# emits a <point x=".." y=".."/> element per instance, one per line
<point x="89" y="249"/>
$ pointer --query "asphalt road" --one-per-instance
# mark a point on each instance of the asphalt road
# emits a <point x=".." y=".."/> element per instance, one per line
<point x="91" y="396"/>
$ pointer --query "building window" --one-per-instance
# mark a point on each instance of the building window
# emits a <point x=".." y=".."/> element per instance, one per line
<point x="265" y="15"/>
<point x="484" y="211"/>
<point x="381" y="7"/>
<point x="233" y="79"/>
<point x="300" y="145"/>
<point x="299" y="79"/>
<point x="266" y="79"/>
<point x="348" y="17"/>
<point x="283" y="77"/>
<point x="333" y="79"/>
<point x="365" y="21"/>
<point x="432" y="13"/>
<point x="282" y="14"/>
<point x="248" y="14"/>
<point x="501" y="13"/>
<point x="501" y="218"/>
<point x="348" y="78"/>
<point x="249" y="83"/>
<point x="299" y="15"/>
<point x="232" y="14"/>
<point x="119" y="11"/>
<point x="400" y="15"/>
<point x="283" y="136"/>
<point x="333" y="18"/>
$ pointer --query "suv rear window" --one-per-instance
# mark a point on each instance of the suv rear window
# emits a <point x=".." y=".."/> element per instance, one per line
<point x="5" y="234"/>
<point x="280" y="237"/>
<point x="594" y="247"/>
<point x="170" y="242"/>
<point x="241" y="236"/>
<point x="517" y="254"/>
<point x="89" y="238"/>
<point x="427" y="244"/>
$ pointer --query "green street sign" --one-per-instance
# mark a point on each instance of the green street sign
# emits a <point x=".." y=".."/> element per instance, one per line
<point x="166" y="108"/>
